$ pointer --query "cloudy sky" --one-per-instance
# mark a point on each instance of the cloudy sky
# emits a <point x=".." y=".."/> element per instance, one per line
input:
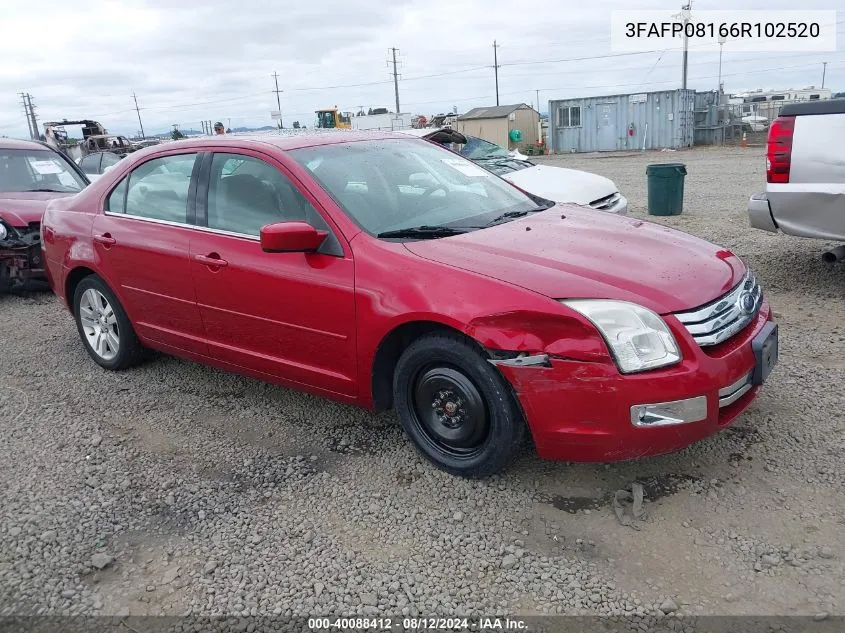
<point x="194" y="61"/>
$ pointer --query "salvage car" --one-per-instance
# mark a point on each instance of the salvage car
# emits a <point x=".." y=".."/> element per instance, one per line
<point x="31" y="174"/>
<point x="384" y="271"/>
<point x="553" y="183"/>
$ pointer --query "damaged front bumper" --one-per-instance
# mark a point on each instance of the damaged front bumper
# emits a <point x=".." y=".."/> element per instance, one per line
<point x="588" y="411"/>
<point x="21" y="259"/>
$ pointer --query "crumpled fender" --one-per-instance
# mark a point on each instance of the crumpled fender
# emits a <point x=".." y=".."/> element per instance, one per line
<point x="532" y="332"/>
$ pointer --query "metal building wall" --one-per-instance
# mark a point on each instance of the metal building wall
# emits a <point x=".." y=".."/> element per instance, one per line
<point x="493" y="130"/>
<point x="659" y="119"/>
<point x="526" y="122"/>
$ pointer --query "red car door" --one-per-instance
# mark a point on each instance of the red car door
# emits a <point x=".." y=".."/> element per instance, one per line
<point x="142" y="241"/>
<point x="286" y="315"/>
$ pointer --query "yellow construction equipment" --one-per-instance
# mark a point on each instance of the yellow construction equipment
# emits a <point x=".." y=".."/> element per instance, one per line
<point x="333" y="118"/>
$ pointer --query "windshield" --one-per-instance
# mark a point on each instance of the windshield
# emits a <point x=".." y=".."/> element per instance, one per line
<point x="394" y="184"/>
<point x="37" y="170"/>
<point x="476" y="149"/>
<point x="325" y="119"/>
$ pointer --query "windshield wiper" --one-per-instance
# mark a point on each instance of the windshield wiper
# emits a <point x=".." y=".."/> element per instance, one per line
<point x="510" y="215"/>
<point x="47" y="190"/>
<point x="423" y="231"/>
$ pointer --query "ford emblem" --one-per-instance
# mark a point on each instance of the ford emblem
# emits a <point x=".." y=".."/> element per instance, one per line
<point x="747" y="302"/>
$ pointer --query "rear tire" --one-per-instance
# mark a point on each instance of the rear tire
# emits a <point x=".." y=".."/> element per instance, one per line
<point x="103" y="326"/>
<point x="455" y="406"/>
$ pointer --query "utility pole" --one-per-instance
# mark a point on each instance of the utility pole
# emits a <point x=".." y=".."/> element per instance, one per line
<point x="29" y="111"/>
<point x="496" y="68"/>
<point x="685" y="14"/>
<point x="824" y="72"/>
<point x="278" y="101"/>
<point x="721" y="44"/>
<point x="23" y="96"/>
<point x="395" y="74"/>
<point x="138" y="110"/>
<point x="35" y="135"/>
<point x="538" y="101"/>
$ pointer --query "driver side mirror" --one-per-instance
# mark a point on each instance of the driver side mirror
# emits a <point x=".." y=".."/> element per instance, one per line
<point x="291" y="237"/>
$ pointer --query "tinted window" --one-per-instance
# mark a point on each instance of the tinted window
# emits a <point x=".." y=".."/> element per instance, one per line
<point x="246" y="193"/>
<point x="158" y="189"/>
<point x="90" y="164"/>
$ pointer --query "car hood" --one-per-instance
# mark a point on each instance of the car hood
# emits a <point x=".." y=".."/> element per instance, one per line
<point x="561" y="184"/>
<point x="20" y="209"/>
<point x="569" y="252"/>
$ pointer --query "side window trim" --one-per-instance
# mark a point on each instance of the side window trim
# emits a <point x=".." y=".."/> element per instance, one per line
<point x="201" y="193"/>
<point x="196" y="174"/>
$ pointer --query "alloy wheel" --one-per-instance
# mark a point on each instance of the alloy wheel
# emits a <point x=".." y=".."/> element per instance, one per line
<point x="99" y="324"/>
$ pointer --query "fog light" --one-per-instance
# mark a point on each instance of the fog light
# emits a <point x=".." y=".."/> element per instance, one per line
<point x="669" y="413"/>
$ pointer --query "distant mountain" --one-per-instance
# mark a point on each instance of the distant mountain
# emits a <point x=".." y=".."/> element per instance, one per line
<point x="193" y="132"/>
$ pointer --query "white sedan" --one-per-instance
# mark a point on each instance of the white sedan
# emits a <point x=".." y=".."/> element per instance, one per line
<point x="553" y="183"/>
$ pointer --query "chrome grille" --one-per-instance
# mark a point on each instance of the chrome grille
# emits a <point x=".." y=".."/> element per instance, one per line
<point x="719" y="320"/>
<point x="607" y="202"/>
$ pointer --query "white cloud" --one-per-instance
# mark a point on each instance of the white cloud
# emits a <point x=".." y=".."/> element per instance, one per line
<point x="189" y="62"/>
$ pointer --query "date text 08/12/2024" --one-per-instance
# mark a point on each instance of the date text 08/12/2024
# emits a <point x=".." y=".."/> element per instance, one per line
<point x="416" y="624"/>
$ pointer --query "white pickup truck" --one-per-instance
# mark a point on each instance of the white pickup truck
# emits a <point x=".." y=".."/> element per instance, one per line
<point x="805" y="175"/>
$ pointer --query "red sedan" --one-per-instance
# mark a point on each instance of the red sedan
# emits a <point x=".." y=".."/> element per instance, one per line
<point x="385" y="271"/>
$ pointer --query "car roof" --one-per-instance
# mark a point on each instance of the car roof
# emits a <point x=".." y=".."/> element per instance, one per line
<point x="284" y="142"/>
<point x="14" y="143"/>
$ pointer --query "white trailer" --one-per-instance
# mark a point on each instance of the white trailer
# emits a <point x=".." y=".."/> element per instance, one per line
<point x="384" y="122"/>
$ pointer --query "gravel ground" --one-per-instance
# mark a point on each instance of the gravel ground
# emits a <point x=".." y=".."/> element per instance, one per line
<point x="174" y="488"/>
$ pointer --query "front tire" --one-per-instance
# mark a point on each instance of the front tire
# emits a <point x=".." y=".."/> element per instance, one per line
<point x="103" y="326"/>
<point x="455" y="406"/>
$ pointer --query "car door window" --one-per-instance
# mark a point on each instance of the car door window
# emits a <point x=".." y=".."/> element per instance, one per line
<point x="158" y="189"/>
<point x="109" y="160"/>
<point x="90" y="164"/>
<point x="246" y="193"/>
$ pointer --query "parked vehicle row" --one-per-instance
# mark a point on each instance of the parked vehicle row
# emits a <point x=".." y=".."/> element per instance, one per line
<point x="387" y="272"/>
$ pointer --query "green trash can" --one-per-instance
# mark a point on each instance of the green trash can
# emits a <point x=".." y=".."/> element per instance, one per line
<point x="666" y="188"/>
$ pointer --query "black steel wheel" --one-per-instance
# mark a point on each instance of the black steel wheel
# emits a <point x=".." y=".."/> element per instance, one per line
<point x="455" y="406"/>
<point x="449" y="410"/>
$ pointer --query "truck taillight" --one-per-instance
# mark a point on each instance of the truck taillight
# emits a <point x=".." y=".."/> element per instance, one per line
<point x="779" y="149"/>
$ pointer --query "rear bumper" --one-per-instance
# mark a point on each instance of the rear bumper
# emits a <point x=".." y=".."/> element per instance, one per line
<point x="760" y="213"/>
<point x="803" y="210"/>
<point x="587" y="412"/>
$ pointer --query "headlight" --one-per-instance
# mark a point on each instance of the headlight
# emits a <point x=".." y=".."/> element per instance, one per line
<point x="637" y="337"/>
<point x="4" y="233"/>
